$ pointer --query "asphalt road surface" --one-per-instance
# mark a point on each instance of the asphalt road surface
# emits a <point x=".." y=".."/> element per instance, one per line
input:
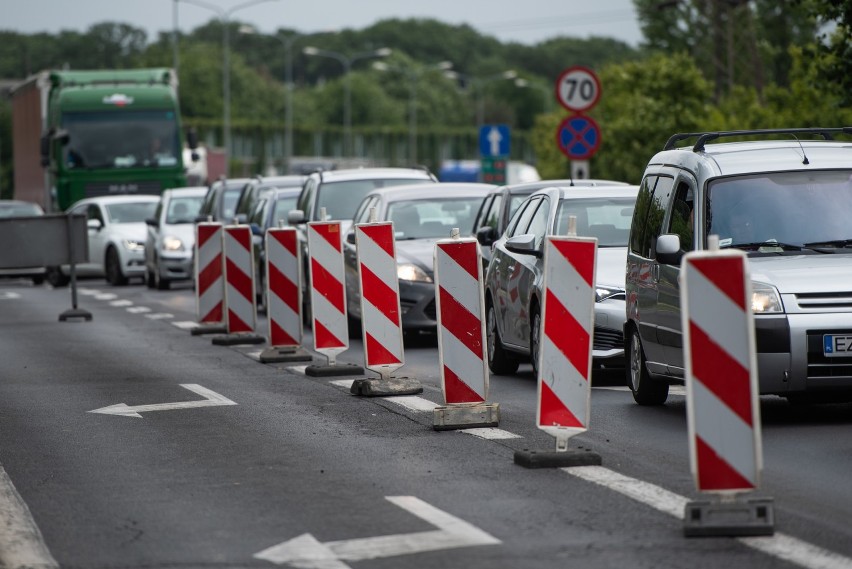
<point x="218" y="460"/>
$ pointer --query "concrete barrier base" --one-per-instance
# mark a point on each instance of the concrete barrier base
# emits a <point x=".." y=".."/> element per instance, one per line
<point x="450" y="417"/>
<point x="737" y="517"/>
<point x="556" y="459"/>
<point x="75" y="313"/>
<point x="276" y="355"/>
<point x="386" y="387"/>
<point x="238" y="339"/>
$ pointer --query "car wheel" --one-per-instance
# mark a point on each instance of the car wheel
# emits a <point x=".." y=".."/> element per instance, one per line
<point x="162" y="284"/>
<point x="645" y="390"/>
<point x="535" y="341"/>
<point x="55" y="277"/>
<point x="499" y="360"/>
<point x="149" y="278"/>
<point x="112" y="268"/>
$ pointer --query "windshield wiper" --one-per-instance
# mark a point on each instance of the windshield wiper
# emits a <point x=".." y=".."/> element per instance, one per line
<point x="771" y="243"/>
<point x="836" y="243"/>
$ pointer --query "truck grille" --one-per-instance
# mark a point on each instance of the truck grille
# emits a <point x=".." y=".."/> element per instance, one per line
<point x="824" y="301"/>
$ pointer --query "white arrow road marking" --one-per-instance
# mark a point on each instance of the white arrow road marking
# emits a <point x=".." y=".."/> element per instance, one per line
<point x="305" y="552"/>
<point x="212" y="399"/>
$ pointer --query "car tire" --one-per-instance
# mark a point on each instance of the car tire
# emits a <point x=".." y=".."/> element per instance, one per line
<point x="535" y="340"/>
<point x="112" y="268"/>
<point x="149" y="278"/>
<point x="646" y="391"/>
<point x="500" y="361"/>
<point x="56" y="278"/>
<point x="162" y="284"/>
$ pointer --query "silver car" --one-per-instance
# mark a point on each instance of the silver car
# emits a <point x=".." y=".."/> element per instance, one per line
<point x="513" y="282"/>
<point x="171" y="237"/>
<point x="787" y="204"/>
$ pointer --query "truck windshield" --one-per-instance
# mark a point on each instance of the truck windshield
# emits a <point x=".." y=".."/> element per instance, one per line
<point x="786" y="209"/>
<point x="132" y="139"/>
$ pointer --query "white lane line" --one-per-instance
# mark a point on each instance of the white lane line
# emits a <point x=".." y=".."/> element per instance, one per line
<point x="9" y="295"/>
<point x="490" y="433"/>
<point x="88" y="291"/>
<point x="106" y="296"/>
<point x="21" y="542"/>
<point x="782" y="546"/>
<point x="138" y="309"/>
<point x="121" y="303"/>
<point x="413" y="403"/>
<point x="160" y="316"/>
<point x="185" y="325"/>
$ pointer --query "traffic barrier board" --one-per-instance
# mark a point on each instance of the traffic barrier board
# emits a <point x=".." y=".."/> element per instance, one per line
<point x="381" y="317"/>
<point x="209" y="284"/>
<point x="328" y="293"/>
<point x="283" y="287"/>
<point x="240" y="305"/>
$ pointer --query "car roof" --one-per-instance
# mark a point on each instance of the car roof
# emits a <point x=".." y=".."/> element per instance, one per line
<point x="124" y="198"/>
<point x="733" y="158"/>
<point x="581" y="192"/>
<point x="530" y="187"/>
<point x="436" y="190"/>
<point x="373" y="174"/>
<point x="283" y="193"/>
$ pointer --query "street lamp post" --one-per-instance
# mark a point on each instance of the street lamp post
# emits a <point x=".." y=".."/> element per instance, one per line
<point x="347" y="63"/>
<point x="224" y="16"/>
<point x="413" y="75"/>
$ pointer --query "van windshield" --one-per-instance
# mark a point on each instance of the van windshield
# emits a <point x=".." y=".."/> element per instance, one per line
<point x="783" y="211"/>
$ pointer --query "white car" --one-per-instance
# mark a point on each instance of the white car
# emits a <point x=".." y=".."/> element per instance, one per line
<point x="171" y="237"/>
<point x="117" y="232"/>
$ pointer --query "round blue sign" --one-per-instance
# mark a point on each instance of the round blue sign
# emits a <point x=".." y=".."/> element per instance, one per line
<point x="578" y="137"/>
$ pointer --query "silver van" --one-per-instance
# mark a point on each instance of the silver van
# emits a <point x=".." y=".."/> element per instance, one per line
<point x="785" y="199"/>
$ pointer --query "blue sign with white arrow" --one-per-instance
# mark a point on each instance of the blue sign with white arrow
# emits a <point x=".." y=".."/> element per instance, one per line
<point x="494" y="140"/>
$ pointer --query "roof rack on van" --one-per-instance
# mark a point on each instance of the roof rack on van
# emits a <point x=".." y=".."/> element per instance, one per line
<point x="704" y="137"/>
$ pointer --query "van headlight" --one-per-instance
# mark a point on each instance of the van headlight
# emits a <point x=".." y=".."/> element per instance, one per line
<point x="132" y="245"/>
<point x="411" y="272"/>
<point x="765" y="299"/>
<point x="172" y="243"/>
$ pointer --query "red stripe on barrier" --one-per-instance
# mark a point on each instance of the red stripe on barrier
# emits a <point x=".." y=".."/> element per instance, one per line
<point x="466" y="327"/>
<point x="283" y="288"/>
<point x="554" y="413"/>
<point x="236" y="324"/>
<point x="721" y="374"/>
<point x="215" y="314"/>
<point x="727" y="275"/>
<point x="208" y="275"/>
<point x="379" y="294"/>
<point x="287" y="239"/>
<point x="238" y="279"/>
<point x="330" y="232"/>
<point x="581" y="255"/>
<point x="382" y="235"/>
<point x="714" y="473"/>
<point x="567" y="334"/>
<point x="241" y="236"/>
<point x="464" y="255"/>
<point x="324" y="338"/>
<point x="279" y="337"/>
<point x="329" y="287"/>
<point x="205" y="232"/>
<point x="457" y="391"/>
<point x="377" y="354"/>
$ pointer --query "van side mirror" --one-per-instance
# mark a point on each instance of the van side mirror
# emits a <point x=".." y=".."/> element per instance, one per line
<point x="668" y="249"/>
<point x="523" y="244"/>
<point x="486" y="235"/>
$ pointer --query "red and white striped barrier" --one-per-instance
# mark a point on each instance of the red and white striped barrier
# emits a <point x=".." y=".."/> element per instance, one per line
<point x="209" y="282"/>
<point x="721" y="388"/>
<point x="328" y="292"/>
<point x="283" y="287"/>
<point x="240" y="305"/>
<point x="461" y="335"/>
<point x="283" y="296"/>
<point x="568" y="316"/>
<point x="381" y="319"/>
<point x="723" y="411"/>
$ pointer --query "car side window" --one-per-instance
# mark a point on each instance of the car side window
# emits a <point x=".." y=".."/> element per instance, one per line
<point x="306" y="198"/>
<point x="538" y="224"/>
<point x="363" y="213"/>
<point x="640" y="213"/>
<point x="482" y="213"/>
<point x="94" y="212"/>
<point x="513" y="222"/>
<point x="493" y="218"/>
<point x="680" y="218"/>
<point x="656" y="214"/>
<point x="524" y="217"/>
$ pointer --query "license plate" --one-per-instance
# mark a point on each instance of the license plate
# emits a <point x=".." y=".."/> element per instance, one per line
<point x="837" y="346"/>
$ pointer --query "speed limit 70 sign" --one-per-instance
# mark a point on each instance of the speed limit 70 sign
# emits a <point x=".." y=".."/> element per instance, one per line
<point x="578" y="89"/>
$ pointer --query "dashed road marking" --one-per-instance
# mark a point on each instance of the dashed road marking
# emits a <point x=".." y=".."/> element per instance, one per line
<point x="160" y="316"/>
<point x="185" y="325"/>
<point x="121" y="303"/>
<point x="9" y="295"/>
<point x="413" y="403"/>
<point x="490" y="433"/>
<point x="138" y="309"/>
<point x="105" y="296"/>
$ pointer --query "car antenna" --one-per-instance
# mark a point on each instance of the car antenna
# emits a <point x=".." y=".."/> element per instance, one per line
<point x="805" y="160"/>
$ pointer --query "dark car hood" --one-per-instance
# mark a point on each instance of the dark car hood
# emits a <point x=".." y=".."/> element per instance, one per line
<point x="416" y="251"/>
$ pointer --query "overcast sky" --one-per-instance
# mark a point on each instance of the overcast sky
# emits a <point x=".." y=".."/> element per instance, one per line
<point x="525" y="21"/>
